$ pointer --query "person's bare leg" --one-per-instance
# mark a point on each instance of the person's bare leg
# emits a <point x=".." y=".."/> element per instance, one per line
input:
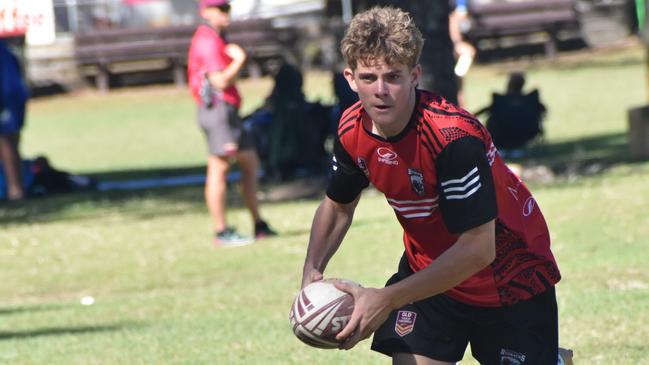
<point x="401" y="358"/>
<point x="249" y="165"/>
<point x="12" y="165"/>
<point x="216" y="187"/>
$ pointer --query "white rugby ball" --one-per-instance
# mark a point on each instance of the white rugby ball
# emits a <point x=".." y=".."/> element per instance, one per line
<point x="319" y="312"/>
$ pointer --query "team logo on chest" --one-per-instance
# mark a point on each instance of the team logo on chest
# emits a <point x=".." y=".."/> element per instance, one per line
<point x="387" y="156"/>
<point x="363" y="166"/>
<point x="416" y="181"/>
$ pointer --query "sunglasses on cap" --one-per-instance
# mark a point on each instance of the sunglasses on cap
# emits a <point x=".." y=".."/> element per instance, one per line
<point x="224" y="8"/>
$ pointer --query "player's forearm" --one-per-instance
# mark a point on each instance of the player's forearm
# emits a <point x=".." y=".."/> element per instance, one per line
<point x="225" y="78"/>
<point x="473" y="251"/>
<point x="454" y="28"/>
<point x="330" y="224"/>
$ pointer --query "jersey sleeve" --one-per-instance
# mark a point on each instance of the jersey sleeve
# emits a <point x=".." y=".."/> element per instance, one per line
<point x="465" y="185"/>
<point x="347" y="180"/>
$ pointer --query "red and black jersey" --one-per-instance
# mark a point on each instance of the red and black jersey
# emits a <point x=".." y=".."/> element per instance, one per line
<point x="442" y="176"/>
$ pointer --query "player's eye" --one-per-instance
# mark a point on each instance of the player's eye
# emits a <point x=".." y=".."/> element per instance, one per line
<point x="393" y="77"/>
<point x="368" y="78"/>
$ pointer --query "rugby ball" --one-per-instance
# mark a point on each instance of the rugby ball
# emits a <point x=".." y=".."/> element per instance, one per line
<point x="319" y="312"/>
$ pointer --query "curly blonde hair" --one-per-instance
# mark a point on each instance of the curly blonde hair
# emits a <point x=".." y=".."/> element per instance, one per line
<point x="382" y="33"/>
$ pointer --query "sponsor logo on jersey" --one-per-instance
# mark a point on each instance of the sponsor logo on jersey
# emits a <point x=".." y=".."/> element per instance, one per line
<point x="513" y="191"/>
<point x="363" y="166"/>
<point x="416" y="181"/>
<point x="405" y="322"/>
<point x="387" y="156"/>
<point x="529" y="205"/>
<point x="509" y="357"/>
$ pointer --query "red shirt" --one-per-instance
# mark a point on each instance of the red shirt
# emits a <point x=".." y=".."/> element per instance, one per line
<point x="443" y="176"/>
<point x="207" y="54"/>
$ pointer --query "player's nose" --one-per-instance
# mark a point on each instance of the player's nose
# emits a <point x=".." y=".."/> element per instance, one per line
<point x="381" y="87"/>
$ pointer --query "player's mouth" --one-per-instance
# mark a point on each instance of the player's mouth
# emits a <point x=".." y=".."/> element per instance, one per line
<point x="381" y="108"/>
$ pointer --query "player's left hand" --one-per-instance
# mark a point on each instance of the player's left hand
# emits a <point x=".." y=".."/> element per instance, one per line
<point x="464" y="48"/>
<point x="371" y="309"/>
<point x="235" y="52"/>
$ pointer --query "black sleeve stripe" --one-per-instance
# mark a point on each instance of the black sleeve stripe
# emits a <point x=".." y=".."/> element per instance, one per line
<point x="427" y="142"/>
<point x="351" y="110"/>
<point x="341" y="133"/>
<point x="347" y="120"/>
<point x="428" y="146"/>
<point x="346" y="123"/>
<point x="428" y="132"/>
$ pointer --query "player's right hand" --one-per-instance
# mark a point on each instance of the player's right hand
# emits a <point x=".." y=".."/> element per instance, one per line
<point x="371" y="308"/>
<point x="310" y="276"/>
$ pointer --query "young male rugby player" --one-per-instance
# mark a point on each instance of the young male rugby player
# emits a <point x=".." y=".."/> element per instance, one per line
<point x="477" y="267"/>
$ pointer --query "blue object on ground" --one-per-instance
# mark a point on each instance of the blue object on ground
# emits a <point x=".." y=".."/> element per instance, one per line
<point x="234" y="176"/>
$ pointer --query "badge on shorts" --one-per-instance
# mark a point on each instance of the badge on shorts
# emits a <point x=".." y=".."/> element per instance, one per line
<point x="509" y="357"/>
<point x="405" y="322"/>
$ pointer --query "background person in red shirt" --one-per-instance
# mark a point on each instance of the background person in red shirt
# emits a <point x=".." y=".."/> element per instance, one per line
<point x="213" y="65"/>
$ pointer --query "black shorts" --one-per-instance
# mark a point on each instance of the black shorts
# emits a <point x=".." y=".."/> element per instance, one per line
<point x="440" y="328"/>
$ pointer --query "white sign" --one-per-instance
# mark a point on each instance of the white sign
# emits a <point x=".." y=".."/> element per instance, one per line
<point x="33" y="18"/>
<point x="12" y="18"/>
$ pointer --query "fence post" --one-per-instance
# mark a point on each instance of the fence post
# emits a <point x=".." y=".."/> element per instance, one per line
<point x="180" y="76"/>
<point x="102" y="79"/>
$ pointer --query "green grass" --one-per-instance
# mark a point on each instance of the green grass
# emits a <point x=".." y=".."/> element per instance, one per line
<point x="165" y="296"/>
<point x="133" y="129"/>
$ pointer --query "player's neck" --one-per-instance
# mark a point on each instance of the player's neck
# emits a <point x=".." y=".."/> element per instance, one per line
<point x="398" y="125"/>
<point x="216" y="27"/>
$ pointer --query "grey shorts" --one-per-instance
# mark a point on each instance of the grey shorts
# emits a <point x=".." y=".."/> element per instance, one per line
<point x="223" y="129"/>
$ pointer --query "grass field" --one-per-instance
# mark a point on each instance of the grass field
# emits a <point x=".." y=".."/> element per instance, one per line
<point x="165" y="296"/>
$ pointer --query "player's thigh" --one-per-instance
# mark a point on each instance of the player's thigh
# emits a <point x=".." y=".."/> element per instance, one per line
<point x="434" y="328"/>
<point x="217" y="165"/>
<point x="526" y="333"/>
<point x="222" y="138"/>
<point x="401" y="358"/>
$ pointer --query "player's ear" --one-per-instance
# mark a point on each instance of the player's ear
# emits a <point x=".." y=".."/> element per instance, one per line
<point x="415" y="74"/>
<point x="349" y="76"/>
<point x="204" y="13"/>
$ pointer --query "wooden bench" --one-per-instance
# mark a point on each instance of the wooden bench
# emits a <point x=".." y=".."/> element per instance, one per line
<point x="102" y="53"/>
<point x="500" y="24"/>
